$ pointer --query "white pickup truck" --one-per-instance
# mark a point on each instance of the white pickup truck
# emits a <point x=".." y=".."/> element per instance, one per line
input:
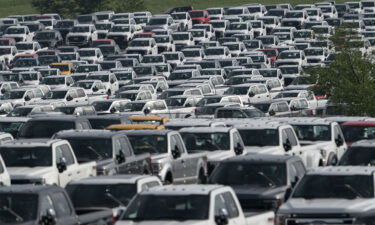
<point x="190" y="204"/>
<point x="276" y="138"/>
<point x="44" y="162"/>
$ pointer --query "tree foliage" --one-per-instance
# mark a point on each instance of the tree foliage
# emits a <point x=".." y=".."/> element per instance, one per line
<point x="72" y="8"/>
<point x="350" y="79"/>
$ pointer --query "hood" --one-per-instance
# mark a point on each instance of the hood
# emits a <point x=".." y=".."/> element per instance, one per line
<point x="78" y="34"/>
<point x="215" y="155"/>
<point x="262" y="149"/>
<point x="256" y="192"/>
<point x="299" y="205"/>
<point x="28" y="172"/>
<point x="163" y="222"/>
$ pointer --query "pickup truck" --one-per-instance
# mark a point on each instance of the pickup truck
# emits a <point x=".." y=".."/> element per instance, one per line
<point x="111" y="192"/>
<point x="276" y="138"/>
<point x="218" y="143"/>
<point x="190" y="204"/>
<point x="260" y="181"/>
<point x="112" y="151"/>
<point x="169" y="157"/>
<point x="47" y="205"/>
<point x="320" y="135"/>
<point x="330" y="195"/>
<point x="43" y="161"/>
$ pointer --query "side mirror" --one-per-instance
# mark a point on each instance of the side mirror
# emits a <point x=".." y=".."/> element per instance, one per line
<point x="269" y="87"/>
<point x="251" y="94"/>
<point x="61" y="166"/>
<point x="120" y="157"/>
<point x="287" y="146"/>
<point x="49" y="218"/>
<point x="176" y="153"/>
<point x="238" y="149"/>
<point x="288" y="192"/>
<point x="293" y="108"/>
<point x="27" y="98"/>
<point x="3" y="91"/>
<point x="222" y="218"/>
<point x="69" y="98"/>
<point x="95" y="89"/>
<point x="339" y="142"/>
<point x="159" y="89"/>
<point x="113" y="110"/>
<point x="112" y="81"/>
<point x="147" y="111"/>
<point x="271" y="113"/>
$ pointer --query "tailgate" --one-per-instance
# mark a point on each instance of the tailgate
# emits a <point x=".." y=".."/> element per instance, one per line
<point x="260" y="218"/>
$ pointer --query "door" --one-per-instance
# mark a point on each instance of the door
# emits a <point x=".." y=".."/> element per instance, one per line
<point x="64" y="212"/>
<point x="70" y="173"/>
<point x="178" y="164"/>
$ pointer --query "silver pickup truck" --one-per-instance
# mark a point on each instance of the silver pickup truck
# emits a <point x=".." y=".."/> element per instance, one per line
<point x="169" y="158"/>
<point x="330" y="195"/>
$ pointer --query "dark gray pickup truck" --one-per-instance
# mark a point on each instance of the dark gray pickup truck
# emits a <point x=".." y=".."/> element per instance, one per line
<point x="44" y="205"/>
<point x="112" y="151"/>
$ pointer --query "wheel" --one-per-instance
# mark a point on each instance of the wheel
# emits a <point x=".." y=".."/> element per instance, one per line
<point x="168" y="179"/>
<point x="332" y="160"/>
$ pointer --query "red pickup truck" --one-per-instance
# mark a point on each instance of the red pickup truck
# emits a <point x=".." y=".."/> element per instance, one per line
<point x="199" y="16"/>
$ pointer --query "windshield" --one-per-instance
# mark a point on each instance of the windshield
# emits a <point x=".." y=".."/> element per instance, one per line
<point x="80" y="29"/>
<point x="205" y="101"/>
<point x="54" y="80"/>
<point x="180" y="37"/>
<point x="237" y="26"/>
<point x="17" y="208"/>
<point x="132" y="106"/>
<point x="175" y="102"/>
<point x="102" y="106"/>
<point x="358" y="156"/>
<point x="85" y="53"/>
<point x="206" y="141"/>
<point x="44" y="129"/>
<point x="20" y="112"/>
<point x="287" y="95"/>
<point x="237" y="91"/>
<point x="180" y="76"/>
<point x="64" y="24"/>
<point x="121" y="29"/>
<point x="45" y="35"/>
<point x="81" y="195"/>
<point x="168" y="207"/>
<point x="260" y="137"/>
<point x="15" y="31"/>
<point x="10" y="127"/>
<point x="157" y="21"/>
<point x="27" y="156"/>
<point x="103" y="78"/>
<point x="91" y="149"/>
<point x="87" y="68"/>
<point x="5" y="51"/>
<point x="214" y="51"/>
<point x="196" y="14"/>
<point x="55" y="95"/>
<point x="313" y="132"/>
<point x="289" y="55"/>
<point x="24" y="46"/>
<point x="60" y="67"/>
<point x="356" y="133"/>
<point x="334" y="186"/>
<point x="153" y="144"/>
<point x="250" y="174"/>
<point x="14" y="95"/>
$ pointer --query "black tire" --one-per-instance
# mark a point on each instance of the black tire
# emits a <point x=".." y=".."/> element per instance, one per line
<point x="332" y="160"/>
<point x="168" y="179"/>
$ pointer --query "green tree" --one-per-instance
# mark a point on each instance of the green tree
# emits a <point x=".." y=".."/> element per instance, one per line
<point x="350" y="79"/>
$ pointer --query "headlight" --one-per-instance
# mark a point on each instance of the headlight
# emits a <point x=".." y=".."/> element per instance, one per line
<point x="156" y="167"/>
<point x="281" y="219"/>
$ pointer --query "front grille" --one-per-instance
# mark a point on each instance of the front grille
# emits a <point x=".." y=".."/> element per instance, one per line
<point x="256" y="204"/>
<point x="162" y="49"/>
<point x="319" y="221"/>
<point x="179" y="47"/>
<point x="196" y="22"/>
<point x="102" y="35"/>
<point x="313" y="60"/>
<point x="76" y="39"/>
<point x="21" y="181"/>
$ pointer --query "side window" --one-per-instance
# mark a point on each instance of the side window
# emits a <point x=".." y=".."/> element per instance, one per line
<point x="79" y="126"/>
<point x="262" y="89"/>
<point x="179" y="143"/>
<point x="238" y="139"/>
<point x="67" y="154"/>
<point x="45" y="204"/>
<point x="300" y="168"/>
<point x="254" y="90"/>
<point x="61" y="205"/>
<point x="283" y="107"/>
<point x="86" y="125"/>
<point x="284" y="136"/>
<point x="291" y="136"/>
<point x="117" y="145"/>
<point x="81" y="93"/>
<point x="126" y="147"/>
<point x="1" y="168"/>
<point x="59" y="154"/>
<point x="231" y="205"/>
<point x="292" y="173"/>
<point x="219" y="204"/>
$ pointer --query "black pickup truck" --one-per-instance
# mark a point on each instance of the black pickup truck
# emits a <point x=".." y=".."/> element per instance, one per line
<point x="112" y="151"/>
<point x="44" y="205"/>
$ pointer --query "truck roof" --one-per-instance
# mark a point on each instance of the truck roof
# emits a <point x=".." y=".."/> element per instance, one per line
<point x="342" y="170"/>
<point x="30" y="143"/>
<point x="86" y="133"/>
<point x="183" y="189"/>
<point x="258" y="124"/>
<point x="29" y="189"/>
<point x="206" y="129"/>
<point x="364" y="143"/>
<point x="360" y="123"/>
<point x="124" y="179"/>
<point x="306" y="120"/>
<point x="263" y="158"/>
<point x="146" y="132"/>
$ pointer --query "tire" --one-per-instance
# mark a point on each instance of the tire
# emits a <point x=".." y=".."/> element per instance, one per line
<point x="168" y="179"/>
<point x="332" y="160"/>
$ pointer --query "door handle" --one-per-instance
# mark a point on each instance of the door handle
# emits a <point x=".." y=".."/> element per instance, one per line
<point x="182" y="161"/>
<point x="69" y="174"/>
<point x="79" y="172"/>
